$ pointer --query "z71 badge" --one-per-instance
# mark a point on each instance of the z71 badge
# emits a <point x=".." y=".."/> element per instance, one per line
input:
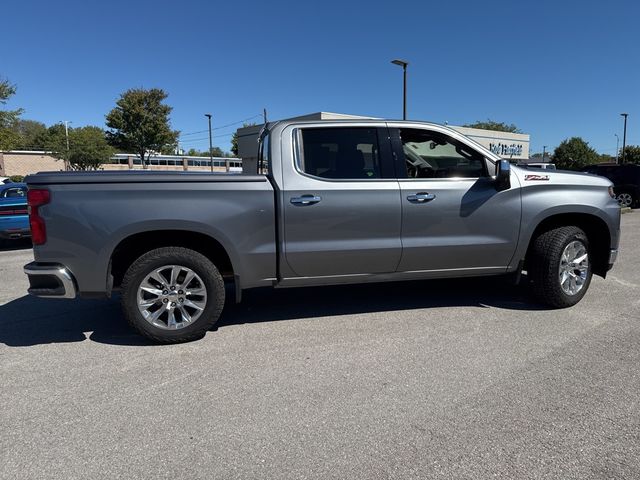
<point x="536" y="177"/>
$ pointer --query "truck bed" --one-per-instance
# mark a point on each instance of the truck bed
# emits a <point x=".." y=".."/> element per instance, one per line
<point x="92" y="214"/>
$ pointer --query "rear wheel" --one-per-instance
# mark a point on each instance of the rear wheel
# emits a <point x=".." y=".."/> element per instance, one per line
<point x="172" y="295"/>
<point x="559" y="266"/>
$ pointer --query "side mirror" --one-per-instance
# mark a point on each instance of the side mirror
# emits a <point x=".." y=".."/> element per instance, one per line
<point x="503" y="175"/>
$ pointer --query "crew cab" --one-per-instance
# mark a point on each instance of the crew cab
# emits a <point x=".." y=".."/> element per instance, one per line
<point x="342" y="202"/>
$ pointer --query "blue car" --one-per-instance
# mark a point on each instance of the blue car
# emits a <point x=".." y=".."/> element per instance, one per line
<point x="14" y="217"/>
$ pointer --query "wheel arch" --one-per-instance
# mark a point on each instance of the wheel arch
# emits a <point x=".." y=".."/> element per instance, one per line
<point x="133" y="246"/>
<point x="594" y="227"/>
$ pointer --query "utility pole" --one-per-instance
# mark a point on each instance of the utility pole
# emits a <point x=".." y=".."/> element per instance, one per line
<point x="66" y="134"/>
<point x="624" y="135"/>
<point x="208" y="115"/>
<point x="403" y="64"/>
<point x="544" y="148"/>
<point x="617" y="146"/>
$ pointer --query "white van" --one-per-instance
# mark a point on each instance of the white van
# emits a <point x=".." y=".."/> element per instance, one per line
<point x="543" y="166"/>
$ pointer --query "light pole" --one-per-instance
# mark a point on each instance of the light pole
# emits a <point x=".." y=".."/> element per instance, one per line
<point x="544" y="149"/>
<point x="403" y="64"/>
<point x="624" y="135"/>
<point x="208" y="115"/>
<point x="617" y="146"/>
<point x="66" y="134"/>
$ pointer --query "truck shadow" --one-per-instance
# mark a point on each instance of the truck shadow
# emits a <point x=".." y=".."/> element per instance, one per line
<point x="29" y="321"/>
<point x="12" y="245"/>
<point x="266" y="305"/>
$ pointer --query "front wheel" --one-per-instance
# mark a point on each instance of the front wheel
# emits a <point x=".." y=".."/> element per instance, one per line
<point x="625" y="199"/>
<point x="172" y="295"/>
<point x="559" y="266"/>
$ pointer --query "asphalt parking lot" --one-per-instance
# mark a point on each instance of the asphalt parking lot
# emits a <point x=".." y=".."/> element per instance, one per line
<point x="455" y="379"/>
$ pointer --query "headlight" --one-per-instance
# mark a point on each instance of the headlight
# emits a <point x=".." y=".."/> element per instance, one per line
<point x="612" y="193"/>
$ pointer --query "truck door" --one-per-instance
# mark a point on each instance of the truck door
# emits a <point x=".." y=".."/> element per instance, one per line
<point x="340" y="202"/>
<point x="453" y="218"/>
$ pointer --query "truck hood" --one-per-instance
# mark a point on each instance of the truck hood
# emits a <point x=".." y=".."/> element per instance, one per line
<point x="563" y="177"/>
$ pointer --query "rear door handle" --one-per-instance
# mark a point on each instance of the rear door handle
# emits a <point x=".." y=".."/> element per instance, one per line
<point x="421" y="197"/>
<point x="305" y="200"/>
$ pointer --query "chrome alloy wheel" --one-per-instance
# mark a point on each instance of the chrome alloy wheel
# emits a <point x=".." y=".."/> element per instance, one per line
<point x="624" y="199"/>
<point x="574" y="267"/>
<point x="172" y="297"/>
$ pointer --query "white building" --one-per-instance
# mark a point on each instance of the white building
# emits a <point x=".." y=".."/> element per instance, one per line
<point x="512" y="146"/>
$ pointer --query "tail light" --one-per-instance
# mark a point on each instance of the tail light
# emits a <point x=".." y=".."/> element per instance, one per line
<point x="37" y="197"/>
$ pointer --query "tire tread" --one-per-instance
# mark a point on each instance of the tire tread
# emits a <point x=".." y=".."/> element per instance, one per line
<point x="543" y="266"/>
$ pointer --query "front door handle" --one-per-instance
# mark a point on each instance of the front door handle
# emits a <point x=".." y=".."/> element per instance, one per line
<point x="305" y="200"/>
<point x="421" y="197"/>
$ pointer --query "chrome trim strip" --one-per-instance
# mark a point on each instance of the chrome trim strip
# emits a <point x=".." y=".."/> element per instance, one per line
<point x="58" y="271"/>
<point x="389" y="277"/>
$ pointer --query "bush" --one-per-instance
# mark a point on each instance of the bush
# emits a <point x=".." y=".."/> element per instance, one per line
<point x="16" y="178"/>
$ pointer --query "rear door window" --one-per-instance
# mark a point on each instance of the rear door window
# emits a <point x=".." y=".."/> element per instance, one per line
<point x="346" y="153"/>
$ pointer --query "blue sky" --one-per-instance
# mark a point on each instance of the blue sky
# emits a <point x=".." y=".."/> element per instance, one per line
<point x="554" y="68"/>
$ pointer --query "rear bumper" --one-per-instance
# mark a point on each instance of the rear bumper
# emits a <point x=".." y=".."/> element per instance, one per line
<point x="14" y="226"/>
<point x="15" y="233"/>
<point x="49" y="280"/>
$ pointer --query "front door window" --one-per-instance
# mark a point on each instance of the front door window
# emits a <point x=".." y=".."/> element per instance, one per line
<point x="431" y="154"/>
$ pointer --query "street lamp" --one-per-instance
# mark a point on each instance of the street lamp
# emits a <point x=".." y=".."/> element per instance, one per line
<point x="403" y="64"/>
<point x="617" y="146"/>
<point x="208" y="115"/>
<point x="624" y="135"/>
<point x="544" y="149"/>
<point x="66" y="134"/>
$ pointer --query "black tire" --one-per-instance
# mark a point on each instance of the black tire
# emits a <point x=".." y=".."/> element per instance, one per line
<point x="198" y="263"/>
<point x="543" y="266"/>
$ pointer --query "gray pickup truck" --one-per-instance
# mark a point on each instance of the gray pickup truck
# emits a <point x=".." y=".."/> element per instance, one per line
<point x="342" y="202"/>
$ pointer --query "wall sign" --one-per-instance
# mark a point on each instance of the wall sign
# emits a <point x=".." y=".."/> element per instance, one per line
<point x="504" y="150"/>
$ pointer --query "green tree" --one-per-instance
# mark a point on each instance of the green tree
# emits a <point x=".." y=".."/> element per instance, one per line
<point x="493" y="125"/>
<point x="55" y="140"/>
<point x="8" y="138"/>
<point x="140" y="123"/>
<point x="33" y="134"/>
<point x="573" y="154"/>
<point x="88" y="147"/>
<point x="631" y="154"/>
<point x="217" y="152"/>
<point x="234" y="139"/>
